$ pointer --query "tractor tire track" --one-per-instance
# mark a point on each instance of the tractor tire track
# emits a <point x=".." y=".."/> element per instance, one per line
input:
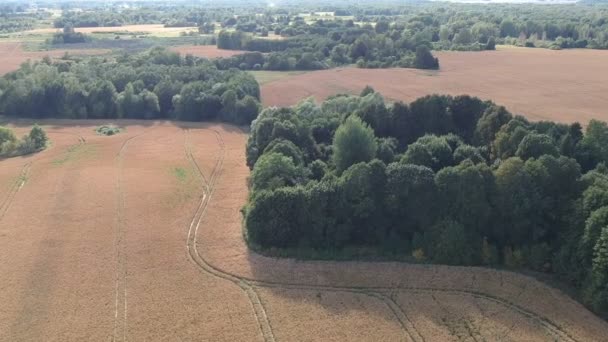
<point x="16" y="186"/>
<point x="120" y="255"/>
<point x="401" y="317"/>
<point x="191" y="244"/>
<point x="247" y="283"/>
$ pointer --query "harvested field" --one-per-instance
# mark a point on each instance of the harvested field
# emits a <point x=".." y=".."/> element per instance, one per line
<point x="309" y="315"/>
<point x="566" y="86"/>
<point x="12" y="55"/>
<point x="137" y="236"/>
<point x="207" y="51"/>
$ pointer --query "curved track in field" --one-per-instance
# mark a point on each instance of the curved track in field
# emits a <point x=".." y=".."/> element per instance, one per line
<point x="384" y="294"/>
<point x="208" y="185"/>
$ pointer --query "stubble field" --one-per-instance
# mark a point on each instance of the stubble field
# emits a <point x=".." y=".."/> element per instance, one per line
<point x="138" y="237"/>
<point x="565" y="86"/>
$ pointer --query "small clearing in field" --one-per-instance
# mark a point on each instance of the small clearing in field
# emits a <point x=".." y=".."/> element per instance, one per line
<point x="565" y="86"/>
<point x="207" y="51"/>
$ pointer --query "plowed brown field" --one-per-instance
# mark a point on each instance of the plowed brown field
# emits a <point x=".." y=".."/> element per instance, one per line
<point x="138" y="237"/>
<point x="12" y="55"/>
<point x="566" y="86"/>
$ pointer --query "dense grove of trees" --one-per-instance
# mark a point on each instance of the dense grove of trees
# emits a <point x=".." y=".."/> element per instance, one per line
<point x="151" y="85"/>
<point x="333" y="43"/>
<point x="453" y="180"/>
<point x="69" y="36"/>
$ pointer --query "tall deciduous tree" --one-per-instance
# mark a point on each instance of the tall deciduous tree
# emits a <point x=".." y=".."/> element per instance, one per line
<point x="354" y="142"/>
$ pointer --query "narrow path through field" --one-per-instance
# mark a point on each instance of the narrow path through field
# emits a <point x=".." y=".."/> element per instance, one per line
<point x="120" y="302"/>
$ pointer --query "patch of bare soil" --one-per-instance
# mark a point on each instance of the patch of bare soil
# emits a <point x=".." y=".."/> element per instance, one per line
<point x="565" y="86"/>
<point x="207" y="51"/>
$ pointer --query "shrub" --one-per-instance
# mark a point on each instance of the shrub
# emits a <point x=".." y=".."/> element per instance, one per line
<point x="107" y="130"/>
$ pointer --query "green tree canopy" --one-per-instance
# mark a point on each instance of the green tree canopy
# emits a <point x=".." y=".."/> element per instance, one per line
<point x="354" y="142"/>
<point x="273" y="170"/>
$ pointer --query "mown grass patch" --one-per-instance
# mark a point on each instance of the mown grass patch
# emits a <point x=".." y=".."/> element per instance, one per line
<point x="75" y="153"/>
<point x="184" y="188"/>
<point x="264" y="76"/>
<point x="181" y="174"/>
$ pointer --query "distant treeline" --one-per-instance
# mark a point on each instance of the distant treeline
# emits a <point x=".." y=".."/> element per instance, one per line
<point x="452" y="180"/>
<point x="174" y="16"/>
<point x="445" y="25"/>
<point x="151" y="85"/>
<point x="13" y="18"/>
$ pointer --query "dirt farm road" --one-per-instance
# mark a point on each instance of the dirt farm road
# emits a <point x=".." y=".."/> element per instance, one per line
<point x="138" y="237"/>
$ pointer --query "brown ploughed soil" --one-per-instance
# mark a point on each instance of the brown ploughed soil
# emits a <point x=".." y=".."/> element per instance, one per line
<point x="565" y="86"/>
<point x="138" y="237"/>
<point x="12" y="55"/>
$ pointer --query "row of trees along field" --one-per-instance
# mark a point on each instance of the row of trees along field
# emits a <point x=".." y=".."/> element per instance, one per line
<point x="451" y="180"/>
<point x="150" y="85"/>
